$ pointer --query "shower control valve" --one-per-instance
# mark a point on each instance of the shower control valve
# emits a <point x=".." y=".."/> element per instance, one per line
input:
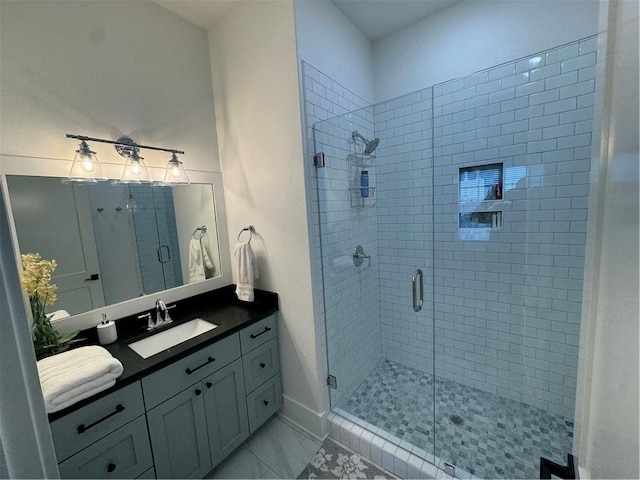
<point x="359" y="256"/>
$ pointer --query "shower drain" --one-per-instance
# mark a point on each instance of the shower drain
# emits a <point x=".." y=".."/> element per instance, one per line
<point x="456" y="419"/>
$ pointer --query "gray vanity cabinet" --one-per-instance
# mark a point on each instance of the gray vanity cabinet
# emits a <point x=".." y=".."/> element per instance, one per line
<point x="224" y="400"/>
<point x="178" y="438"/>
<point x="259" y="347"/>
<point x="199" y="409"/>
<point x="191" y="432"/>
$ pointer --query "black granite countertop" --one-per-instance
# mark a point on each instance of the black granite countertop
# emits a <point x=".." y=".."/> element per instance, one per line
<point x="220" y="307"/>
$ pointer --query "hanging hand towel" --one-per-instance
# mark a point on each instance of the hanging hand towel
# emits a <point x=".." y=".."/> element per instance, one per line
<point x="246" y="270"/>
<point x="72" y="376"/>
<point x="198" y="260"/>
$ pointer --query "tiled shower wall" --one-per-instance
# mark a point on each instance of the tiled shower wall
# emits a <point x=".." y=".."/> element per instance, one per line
<point x="351" y="309"/>
<point x="405" y="226"/>
<point x="507" y="307"/>
<point x="154" y="224"/>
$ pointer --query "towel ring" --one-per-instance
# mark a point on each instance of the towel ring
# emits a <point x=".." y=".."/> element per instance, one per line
<point x="251" y="229"/>
<point x="202" y="230"/>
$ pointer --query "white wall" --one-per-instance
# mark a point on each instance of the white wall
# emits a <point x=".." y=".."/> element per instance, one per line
<point x="607" y="440"/>
<point x="255" y="80"/>
<point x="332" y="44"/>
<point x="104" y="69"/>
<point x="474" y="35"/>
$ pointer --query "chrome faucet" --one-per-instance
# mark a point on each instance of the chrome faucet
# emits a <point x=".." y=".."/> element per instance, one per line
<point x="162" y="314"/>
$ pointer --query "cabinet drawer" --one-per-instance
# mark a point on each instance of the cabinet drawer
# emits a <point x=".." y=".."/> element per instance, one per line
<point x="260" y="365"/>
<point x="174" y="378"/>
<point x="90" y="423"/>
<point x="258" y="333"/>
<point x="124" y="453"/>
<point x="264" y="402"/>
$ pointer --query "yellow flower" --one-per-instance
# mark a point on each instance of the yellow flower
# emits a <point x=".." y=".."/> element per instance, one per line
<point x="36" y="278"/>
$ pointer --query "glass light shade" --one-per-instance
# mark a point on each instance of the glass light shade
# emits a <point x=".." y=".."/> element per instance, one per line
<point x="86" y="167"/>
<point x="135" y="171"/>
<point x="175" y="173"/>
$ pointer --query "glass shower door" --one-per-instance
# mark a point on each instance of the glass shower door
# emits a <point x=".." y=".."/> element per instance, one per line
<point x="378" y="301"/>
<point x="512" y="153"/>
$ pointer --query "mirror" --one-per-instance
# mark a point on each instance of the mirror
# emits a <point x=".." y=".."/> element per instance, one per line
<point x="116" y="242"/>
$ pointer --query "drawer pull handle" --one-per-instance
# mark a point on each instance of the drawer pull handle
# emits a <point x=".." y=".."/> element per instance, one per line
<point x="262" y="364"/>
<point x="198" y="391"/>
<point x="209" y="384"/>
<point x="266" y="329"/>
<point x="191" y="370"/>
<point x="83" y="428"/>
<point x="111" y="467"/>
<point x="266" y="402"/>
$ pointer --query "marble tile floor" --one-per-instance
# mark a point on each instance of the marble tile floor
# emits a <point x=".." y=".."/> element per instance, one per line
<point x="276" y="450"/>
<point x="494" y="437"/>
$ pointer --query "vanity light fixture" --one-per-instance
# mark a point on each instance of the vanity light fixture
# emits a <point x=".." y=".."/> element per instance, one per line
<point x="135" y="171"/>
<point x="175" y="173"/>
<point x="86" y="167"/>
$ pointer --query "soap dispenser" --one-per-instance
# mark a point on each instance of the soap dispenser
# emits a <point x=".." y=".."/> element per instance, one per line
<point x="107" y="332"/>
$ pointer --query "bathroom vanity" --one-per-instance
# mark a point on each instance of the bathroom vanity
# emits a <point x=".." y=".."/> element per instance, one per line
<point x="178" y="413"/>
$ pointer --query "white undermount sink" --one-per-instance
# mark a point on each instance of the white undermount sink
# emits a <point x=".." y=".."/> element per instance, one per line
<point x="170" y="338"/>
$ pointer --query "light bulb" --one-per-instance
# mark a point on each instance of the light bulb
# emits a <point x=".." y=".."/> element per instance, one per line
<point x="175" y="171"/>
<point x="135" y="168"/>
<point x="87" y="164"/>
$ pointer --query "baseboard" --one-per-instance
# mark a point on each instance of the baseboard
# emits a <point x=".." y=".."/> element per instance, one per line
<point x="302" y="417"/>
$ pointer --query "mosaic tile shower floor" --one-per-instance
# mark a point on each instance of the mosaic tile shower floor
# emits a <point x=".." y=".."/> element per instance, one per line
<point x="499" y="438"/>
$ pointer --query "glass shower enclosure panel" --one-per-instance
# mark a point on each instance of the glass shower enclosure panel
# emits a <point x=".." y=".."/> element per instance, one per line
<point x="378" y="300"/>
<point x="511" y="161"/>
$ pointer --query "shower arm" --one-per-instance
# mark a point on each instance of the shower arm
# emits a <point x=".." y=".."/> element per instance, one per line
<point x="355" y="135"/>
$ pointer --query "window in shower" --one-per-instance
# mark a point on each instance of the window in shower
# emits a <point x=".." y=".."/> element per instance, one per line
<point x="479" y="183"/>
<point x="480" y="187"/>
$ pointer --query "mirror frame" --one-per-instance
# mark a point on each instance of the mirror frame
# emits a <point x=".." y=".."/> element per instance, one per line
<point x="53" y="167"/>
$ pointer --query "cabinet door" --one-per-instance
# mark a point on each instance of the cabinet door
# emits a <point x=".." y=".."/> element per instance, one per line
<point x="179" y="436"/>
<point x="226" y="410"/>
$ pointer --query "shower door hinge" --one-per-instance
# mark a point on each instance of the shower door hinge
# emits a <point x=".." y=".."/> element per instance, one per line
<point x="332" y="382"/>
<point x="318" y="159"/>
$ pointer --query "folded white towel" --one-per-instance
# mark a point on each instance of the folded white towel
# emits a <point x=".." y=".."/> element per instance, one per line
<point x="198" y="261"/>
<point x="58" y="314"/>
<point x="71" y="376"/>
<point x="246" y="271"/>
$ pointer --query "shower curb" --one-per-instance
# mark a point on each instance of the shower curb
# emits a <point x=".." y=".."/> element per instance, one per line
<point x="387" y="451"/>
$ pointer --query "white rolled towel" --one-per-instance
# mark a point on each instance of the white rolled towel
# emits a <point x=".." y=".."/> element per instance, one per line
<point x="77" y="374"/>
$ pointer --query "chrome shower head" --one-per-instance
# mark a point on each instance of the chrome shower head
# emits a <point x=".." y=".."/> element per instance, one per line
<point x="369" y="145"/>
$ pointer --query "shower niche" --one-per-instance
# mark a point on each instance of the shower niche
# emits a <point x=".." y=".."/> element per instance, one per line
<point x="480" y="195"/>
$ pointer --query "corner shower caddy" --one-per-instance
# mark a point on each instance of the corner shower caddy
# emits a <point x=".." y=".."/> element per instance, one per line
<point x="357" y="162"/>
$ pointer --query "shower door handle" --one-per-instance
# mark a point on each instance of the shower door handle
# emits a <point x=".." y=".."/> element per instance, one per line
<point x="417" y="304"/>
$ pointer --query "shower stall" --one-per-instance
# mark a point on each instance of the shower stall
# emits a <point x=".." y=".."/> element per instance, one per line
<point x="453" y="331"/>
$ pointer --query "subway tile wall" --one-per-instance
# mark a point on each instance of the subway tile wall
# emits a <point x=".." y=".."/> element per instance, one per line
<point x="351" y="308"/>
<point x="507" y="305"/>
<point x="405" y="227"/>
<point x="154" y="224"/>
